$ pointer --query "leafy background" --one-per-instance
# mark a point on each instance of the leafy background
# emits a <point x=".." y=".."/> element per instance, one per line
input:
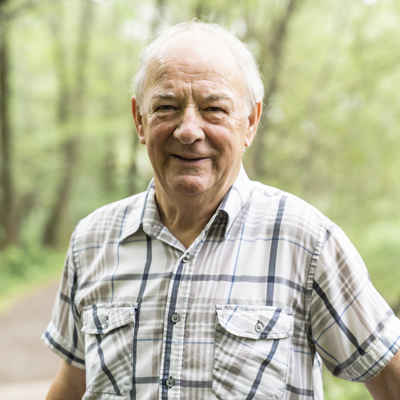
<point x="329" y="132"/>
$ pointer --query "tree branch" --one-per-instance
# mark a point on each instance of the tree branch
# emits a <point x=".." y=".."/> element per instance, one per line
<point x="274" y="57"/>
<point x="75" y="109"/>
<point x="7" y="16"/>
<point x="7" y="198"/>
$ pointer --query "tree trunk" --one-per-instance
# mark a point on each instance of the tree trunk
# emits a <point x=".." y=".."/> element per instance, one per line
<point x="71" y="106"/>
<point x="133" y="174"/>
<point x="7" y="200"/>
<point x="132" y="179"/>
<point x="9" y="14"/>
<point x="201" y="10"/>
<point x="160" y="9"/>
<point x="277" y="45"/>
<point x="108" y="167"/>
<point x="11" y="207"/>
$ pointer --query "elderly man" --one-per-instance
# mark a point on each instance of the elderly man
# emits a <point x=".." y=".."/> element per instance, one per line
<point x="209" y="285"/>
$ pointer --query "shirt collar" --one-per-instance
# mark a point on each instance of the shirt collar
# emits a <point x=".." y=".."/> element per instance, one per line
<point x="237" y="196"/>
<point x="134" y="214"/>
<point x="145" y="212"/>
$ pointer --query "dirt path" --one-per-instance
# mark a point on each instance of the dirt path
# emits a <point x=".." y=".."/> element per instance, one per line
<point x="28" y="366"/>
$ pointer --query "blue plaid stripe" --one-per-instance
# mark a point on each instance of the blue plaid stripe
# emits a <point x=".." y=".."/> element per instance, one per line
<point x="337" y="318"/>
<point x="101" y="354"/>
<point x="120" y="233"/>
<point x="270" y="356"/>
<point x="62" y="351"/>
<point x="170" y="329"/>
<point x="274" y="250"/>
<point x="136" y="328"/>
<point x="266" y="254"/>
<point x="234" y="277"/>
<point x="264" y="365"/>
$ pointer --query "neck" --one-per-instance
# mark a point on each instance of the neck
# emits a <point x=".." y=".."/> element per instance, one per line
<point x="186" y="216"/>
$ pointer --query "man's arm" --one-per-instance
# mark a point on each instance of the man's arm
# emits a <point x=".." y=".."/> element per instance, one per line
<point x="69" y="383"/>
<point x="386" y="385"/>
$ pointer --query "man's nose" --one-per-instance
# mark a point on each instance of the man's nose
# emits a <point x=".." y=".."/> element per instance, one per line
<point x="189" y="129"/>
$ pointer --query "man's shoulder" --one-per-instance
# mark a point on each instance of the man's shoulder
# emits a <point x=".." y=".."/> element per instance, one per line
<point x="110" y="219"/>
<point x="288" y="208"/>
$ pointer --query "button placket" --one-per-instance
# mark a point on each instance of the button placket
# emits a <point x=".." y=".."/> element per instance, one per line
<point x="177" y="315"/>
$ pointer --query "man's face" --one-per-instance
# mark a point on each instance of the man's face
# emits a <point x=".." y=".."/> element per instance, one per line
<point x="195" y="118"/>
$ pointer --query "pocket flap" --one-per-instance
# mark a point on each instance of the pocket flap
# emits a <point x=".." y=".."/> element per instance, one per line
<point x="103" y="318"/>
<point x="255" y="322"/>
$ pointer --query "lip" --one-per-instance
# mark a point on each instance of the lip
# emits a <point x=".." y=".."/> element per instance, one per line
<point x="188" y="159"/>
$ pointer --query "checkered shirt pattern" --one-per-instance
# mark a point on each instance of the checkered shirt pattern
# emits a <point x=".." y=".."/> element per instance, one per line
<point x="268" y="289"/>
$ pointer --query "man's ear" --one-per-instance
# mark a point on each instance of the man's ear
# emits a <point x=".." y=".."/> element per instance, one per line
<point x="254" y="119"/>
<point x="137" y="116"/>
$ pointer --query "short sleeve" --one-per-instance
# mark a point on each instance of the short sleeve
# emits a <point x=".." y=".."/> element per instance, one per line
<point x="352" y="327"/>
<point x="63" y="334"/>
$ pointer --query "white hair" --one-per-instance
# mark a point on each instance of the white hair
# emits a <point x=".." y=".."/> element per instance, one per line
<point x="241" y="54"/>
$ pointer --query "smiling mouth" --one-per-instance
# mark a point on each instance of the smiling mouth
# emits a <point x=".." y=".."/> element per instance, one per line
<point x="188" y="159"/>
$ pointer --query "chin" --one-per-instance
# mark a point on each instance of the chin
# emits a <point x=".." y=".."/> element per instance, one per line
<point x="191" y="186"/>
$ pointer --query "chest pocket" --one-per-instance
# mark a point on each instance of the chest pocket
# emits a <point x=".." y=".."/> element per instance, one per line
<point x="109" y="330"/>
<point x="252" y="352"/>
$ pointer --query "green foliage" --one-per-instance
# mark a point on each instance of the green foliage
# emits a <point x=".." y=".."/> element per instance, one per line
<point x="338" y="389"/>
<point x="330" y="131"/>
<point x="24" y="267"/>
<point x="380" y="248"/>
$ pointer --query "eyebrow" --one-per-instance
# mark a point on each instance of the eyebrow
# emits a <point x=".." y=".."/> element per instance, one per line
<point x="217" y="97"/>
<point x="214" y="97"/>
<point x="164" y="97"/>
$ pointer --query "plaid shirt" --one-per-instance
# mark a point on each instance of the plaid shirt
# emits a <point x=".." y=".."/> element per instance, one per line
<point x="267" y="289"/>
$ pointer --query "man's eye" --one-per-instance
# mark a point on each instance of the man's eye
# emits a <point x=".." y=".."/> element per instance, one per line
<point x="165" y="107"/>
<point x="215" y="109"/>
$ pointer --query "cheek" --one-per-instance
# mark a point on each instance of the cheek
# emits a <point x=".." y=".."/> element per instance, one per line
<point x="157" y="141"/>
<point x="160" y="130"/>
<point x="227" y="140"/>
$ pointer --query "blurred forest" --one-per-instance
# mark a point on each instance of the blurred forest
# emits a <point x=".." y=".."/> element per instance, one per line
<point x="329" y="132"/>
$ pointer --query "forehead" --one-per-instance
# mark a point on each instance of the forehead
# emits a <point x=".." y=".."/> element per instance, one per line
<point x="197" y="60"/>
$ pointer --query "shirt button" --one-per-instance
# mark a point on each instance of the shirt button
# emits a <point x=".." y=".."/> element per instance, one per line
<point x="186" y="258"/>
<point x="259" y="326"/>
<point x="175" y="318"/>
<point x="104" y="321"/>
<point x="170" y="382"/>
